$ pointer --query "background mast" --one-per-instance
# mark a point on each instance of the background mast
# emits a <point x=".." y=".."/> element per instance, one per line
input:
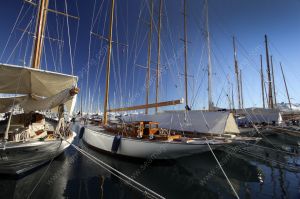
<point x="209" y="71"/>
<point x="149" y="55"/>
<point x="158" y="54"/>
<point x="270" y="101"/>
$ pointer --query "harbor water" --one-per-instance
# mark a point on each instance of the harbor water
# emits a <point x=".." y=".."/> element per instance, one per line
<point x="73" y="175"/>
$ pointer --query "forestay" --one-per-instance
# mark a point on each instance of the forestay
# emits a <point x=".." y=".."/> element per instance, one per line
<point x="191" y="121"/>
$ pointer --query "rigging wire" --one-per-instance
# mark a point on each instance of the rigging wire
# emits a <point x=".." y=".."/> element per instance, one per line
<point x="45" y="56"/>
<point x="93" y="23"/>
<point x="28" y="40"/>
<point x="101" y="54"/>
<point x="51" y="50"/>
<point x="12" y="30"/>
<point x="77" y="31"/>
<point x="9" y="57"/>
<point x="69" y="38"/>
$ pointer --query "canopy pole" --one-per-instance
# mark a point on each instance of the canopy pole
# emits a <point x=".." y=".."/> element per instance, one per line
<point x="154" y="105"/>
<point x="7" y="127"/>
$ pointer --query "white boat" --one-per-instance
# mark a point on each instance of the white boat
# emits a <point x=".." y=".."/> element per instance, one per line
<point x="99" y="138"/>
<point x="28" y="139"/>
<point x="18" y="157"/>
<point x="164" y="135"/>
<point x="164" y="142"/>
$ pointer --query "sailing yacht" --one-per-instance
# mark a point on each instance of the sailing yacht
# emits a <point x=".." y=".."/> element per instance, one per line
<point x="28" y="138"/>
<point x="164" y="135"/>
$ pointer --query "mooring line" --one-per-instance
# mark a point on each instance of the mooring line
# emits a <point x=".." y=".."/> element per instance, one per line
<point x="148" y="192"/>
<point x="235" y="193"/>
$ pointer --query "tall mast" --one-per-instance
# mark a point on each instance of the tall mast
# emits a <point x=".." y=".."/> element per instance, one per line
<point x="241" y="85"/>
<point x="271" y="104"/>
<point x="39" y="34"/>
<point x="81" y="105"/>
<point x="273" y="80"/>
<point x="286" y="88"/>
<point x="149" y="54"/>
<point x="185" y="58"/>
<point x="262" y="82"/>
<point x="209" y="71"/>
<point x="158" y="54"/>
<point x="232" y="97"/>
<point x="237" y="73"/>
<point x="108" y="61"/>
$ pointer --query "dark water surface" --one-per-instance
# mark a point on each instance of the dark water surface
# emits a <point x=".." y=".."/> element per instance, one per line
<point x="72" y="175"/>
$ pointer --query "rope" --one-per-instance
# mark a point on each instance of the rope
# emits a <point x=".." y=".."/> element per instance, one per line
<point x="148" y="192"/>
<point x="236" y="195"/>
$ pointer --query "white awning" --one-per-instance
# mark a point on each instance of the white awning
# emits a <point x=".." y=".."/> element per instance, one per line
<point x="42" y="90"/>
<point x="191" y="121"/>
<point x="260" y="115"/>
<point x="18" y="80"/>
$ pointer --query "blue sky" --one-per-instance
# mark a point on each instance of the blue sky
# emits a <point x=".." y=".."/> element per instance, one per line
<point x="248" y="20"/>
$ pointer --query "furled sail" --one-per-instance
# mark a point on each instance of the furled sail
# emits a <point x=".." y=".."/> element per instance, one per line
<point x="42" y="90"/>
<point x="191" y="121"/>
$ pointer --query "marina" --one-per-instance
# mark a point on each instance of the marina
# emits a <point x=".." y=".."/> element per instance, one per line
<point x="148" y="99"/>
<point x="73" y="175"/>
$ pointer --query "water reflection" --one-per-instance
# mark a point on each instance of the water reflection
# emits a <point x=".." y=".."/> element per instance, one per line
<point x="72" y="175"/>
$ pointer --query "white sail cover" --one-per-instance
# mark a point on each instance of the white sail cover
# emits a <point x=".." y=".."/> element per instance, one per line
<point x="191" y="121"/>
<point x="42" y="89"/>
<point x="260" y="115"/>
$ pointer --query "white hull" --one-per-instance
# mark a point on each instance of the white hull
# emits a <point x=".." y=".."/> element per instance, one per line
<point x="17" y="158"/>
<point x="98" y="138"/>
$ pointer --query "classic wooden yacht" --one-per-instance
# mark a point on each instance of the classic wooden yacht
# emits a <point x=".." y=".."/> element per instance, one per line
<point x="146" y="139"/>
<point x="27" y="138"/>
<point x="163" y="135"/>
